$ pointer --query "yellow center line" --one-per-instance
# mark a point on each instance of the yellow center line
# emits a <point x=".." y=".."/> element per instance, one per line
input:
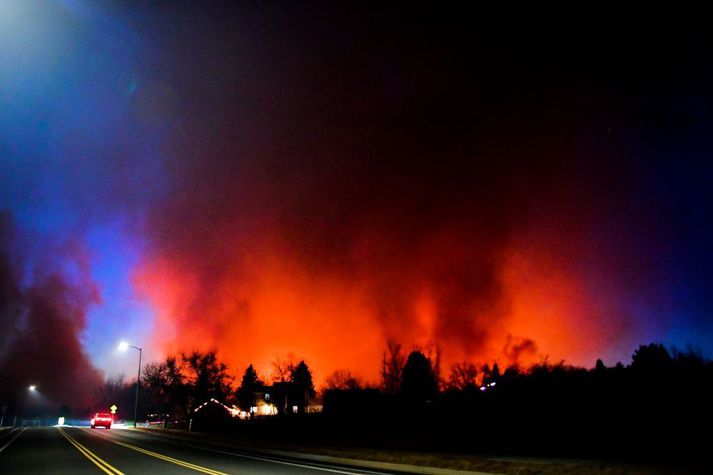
<point x="195" y="467"/>
<point x="105" y="467"/>
<point x="166" y="458"/>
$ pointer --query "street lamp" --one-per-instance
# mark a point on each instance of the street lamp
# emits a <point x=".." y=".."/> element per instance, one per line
<point x="31" y="389"/>
<point x="123" y="346"/>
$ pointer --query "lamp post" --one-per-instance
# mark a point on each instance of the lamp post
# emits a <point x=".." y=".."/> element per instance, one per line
<point x="31" y="389"/>
<point x="123" y="346"/>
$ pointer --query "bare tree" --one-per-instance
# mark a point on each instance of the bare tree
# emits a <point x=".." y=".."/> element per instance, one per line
<point x="342" y="379"/>
<point x="167" y="385"/>
<point x="111" y="391"/>
<point x="208" y="376"/>
<point x="392" y="366"/>
<point x="282" y="368"/>
<point x="463" y="376"/>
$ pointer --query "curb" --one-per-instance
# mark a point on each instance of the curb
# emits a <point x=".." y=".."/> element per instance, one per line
<point x="356" y="463"/>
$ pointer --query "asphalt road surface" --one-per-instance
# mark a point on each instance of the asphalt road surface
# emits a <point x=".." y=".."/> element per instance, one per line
<point x="76" y="450"/>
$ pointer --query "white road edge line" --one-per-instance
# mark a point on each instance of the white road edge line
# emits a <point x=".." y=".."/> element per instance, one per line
<point x="294" y="464"/>
<point x="317" y="466"/>
<point x="13" y="439"/>
<point x="6" y="431"/>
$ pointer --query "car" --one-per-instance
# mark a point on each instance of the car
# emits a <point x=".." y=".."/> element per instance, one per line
<point x="102" y="419"/>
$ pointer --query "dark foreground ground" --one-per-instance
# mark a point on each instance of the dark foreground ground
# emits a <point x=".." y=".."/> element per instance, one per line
<point x="75" y="450"/>
<point x="432" y="462"/>
<point x="72" y="450"/>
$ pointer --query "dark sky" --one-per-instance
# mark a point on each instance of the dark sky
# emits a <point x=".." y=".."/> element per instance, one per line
<point x="315" y="178"/>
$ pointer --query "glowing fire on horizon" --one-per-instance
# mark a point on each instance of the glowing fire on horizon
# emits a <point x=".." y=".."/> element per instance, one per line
<point x="332" y="322"/>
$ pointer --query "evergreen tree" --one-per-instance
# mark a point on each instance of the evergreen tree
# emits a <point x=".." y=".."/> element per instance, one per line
<point x="249" y="385"/>
<point x="302" y="385"/>
<point x="418" y="382"/>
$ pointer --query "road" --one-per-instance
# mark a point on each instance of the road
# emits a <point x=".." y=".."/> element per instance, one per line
<point x="76" y="450"/>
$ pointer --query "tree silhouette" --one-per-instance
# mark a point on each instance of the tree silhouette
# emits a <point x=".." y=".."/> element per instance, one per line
<point x="167" y="385"/>
<point x="599" y="366"/>
<point x="341" y="379"/>
<point x="463" y="376"/>
<point x="302" y="385"/>
<point x="116" y="390"/>
<point x="208" y="377"/>
<point x="249" y="385"/>
<point x="392" y="365"/>
<point x="650" y="358"/>
<point x="490" y="375"/>
<point x="418" y="383"/>
<point x="282" y="368"/>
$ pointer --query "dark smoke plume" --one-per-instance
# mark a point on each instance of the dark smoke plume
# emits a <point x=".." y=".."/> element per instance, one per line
<point x="41" y="319"/>
<point x="341" y="176"/>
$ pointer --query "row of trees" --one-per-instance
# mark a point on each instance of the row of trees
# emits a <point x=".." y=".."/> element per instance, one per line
<point x="416" y="375"/>
<point x="181" y="382"/>
<point x="292" y="384"/>
<point x="657" y="403"/>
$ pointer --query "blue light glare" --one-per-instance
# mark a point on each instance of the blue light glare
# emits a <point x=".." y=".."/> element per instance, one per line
<point x="77" y="169"/>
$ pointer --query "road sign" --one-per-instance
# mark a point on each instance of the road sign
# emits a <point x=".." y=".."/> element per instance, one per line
<point x="113" y="408"/>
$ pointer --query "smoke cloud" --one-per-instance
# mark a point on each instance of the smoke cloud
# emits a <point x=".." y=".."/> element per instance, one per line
<point x="42" y="317"/>
<point x="368" y="176"/>
<point x="271" y="179"/>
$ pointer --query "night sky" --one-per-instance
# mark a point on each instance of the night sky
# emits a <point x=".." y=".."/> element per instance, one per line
<point x="316" y="178"/>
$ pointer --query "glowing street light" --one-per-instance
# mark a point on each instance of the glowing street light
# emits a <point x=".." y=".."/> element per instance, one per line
<point x="123" y="346"/>
<point x="24" y="401"/>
